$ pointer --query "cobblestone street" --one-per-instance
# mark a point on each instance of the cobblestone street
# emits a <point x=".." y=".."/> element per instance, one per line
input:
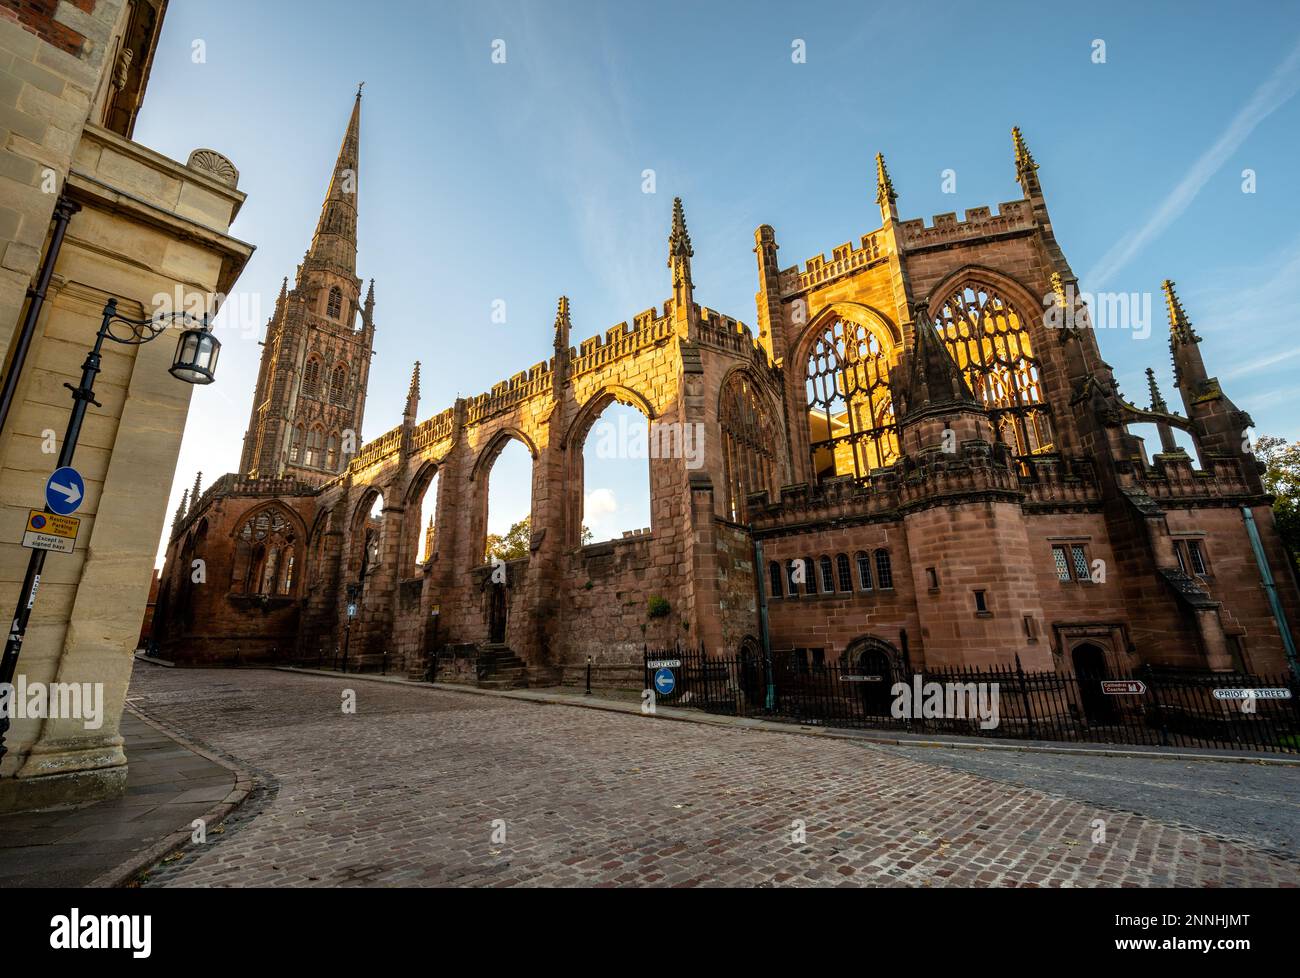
<point x="413" y="787"/>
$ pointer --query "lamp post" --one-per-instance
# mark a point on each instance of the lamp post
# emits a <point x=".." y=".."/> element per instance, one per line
<point x="194" y="362"/>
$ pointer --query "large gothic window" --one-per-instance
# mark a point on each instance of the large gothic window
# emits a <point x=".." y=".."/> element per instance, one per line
<point x="747" y="444"/>
<point x="312" y="456"/>
<point x="851" y="427"/>
<point x="334" y="308"/>
<point x="311" y="378"/>
<point x="265" y="550"/>
<point x="988" y="339"/>
<point x="338" y="384"/>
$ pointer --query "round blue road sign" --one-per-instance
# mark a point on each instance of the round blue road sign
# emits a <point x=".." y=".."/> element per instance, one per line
<point x="64" y="490"/>
<point x="664" y="681"/>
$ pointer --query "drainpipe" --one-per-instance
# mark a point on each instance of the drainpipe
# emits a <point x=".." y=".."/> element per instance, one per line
<point x="1270" y="589"/>
<point x="63" y="211"/>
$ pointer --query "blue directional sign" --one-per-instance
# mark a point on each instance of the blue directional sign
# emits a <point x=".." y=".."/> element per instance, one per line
<point x="64" y="490"/>
<point x="664" y="681"/>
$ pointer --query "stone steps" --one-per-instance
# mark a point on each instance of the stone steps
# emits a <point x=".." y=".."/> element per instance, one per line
<point x="500" y="668"/>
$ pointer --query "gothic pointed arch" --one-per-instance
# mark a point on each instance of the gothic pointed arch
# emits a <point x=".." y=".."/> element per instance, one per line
<point x="987" y="322"/>
<point x="268" y="554"/>
<point x="749" y="442"/>
<point x="847" y="352"/>
<point x="594" y="405"/>
<point x="488" y="454"/>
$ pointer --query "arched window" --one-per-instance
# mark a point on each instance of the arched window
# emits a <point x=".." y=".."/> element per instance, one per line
<point x="790" y="579"/>
<point x="295" y="443"/>
<point x="851" y="427"/>
<point x="747" y="444"/>
<point x="845" y="574"/>
<point x="264" y="560"/>
<point x="311" y="378"/>
<point x="809" y="576"/>
<point x="884" y="570"/>
<point x="990" y="342"/>
<point x="334" y="308"/>
<point x="332" y="452"/>
<point x="864" y="570"/>
<point x="828" y="581"/>
<point x="774" y="573"/>
<point x="312" y="457"/>
<point x="338" y="384"/>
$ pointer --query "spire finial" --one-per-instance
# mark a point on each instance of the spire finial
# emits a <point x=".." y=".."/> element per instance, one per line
<point x="360" y="85"/>
<point x="415" y="380"/>
<point x="1157" y="399"/>
<point x="1026" y="168"/>
<point x="194" y="493"/>
<point x="1180" y="327"/>
<point x="679" y="241"/>
<point x="884" y="186"/>
<point x="180" y="510"/>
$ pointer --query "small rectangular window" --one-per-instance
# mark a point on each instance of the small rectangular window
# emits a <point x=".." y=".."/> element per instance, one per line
<point x="809" y="576"/>
<point x="790" y="578"/>
<point x="1081" y="572"/>
<point x="864" y="571"/>
<point x="819" y="658"/>
<point x="933" y="575"/>
<point x="981" y="605"/>
<point x="1197" y="557"/>
<point x="1062" y="564"/>
<point x="884" y="571"/>
<point x="1178" y="552"/>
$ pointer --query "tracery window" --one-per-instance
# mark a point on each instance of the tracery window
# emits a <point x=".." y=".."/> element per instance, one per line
<point x="990" y="342"/>
<point x="264" y="555"/>
<point x="312" y="456"/>
<point x="338" y="384"/>
<point x="334" y="308"/>
<point x="311" y="378"/>
<point x="851" y="426"/>
<point x="747" y="443"/>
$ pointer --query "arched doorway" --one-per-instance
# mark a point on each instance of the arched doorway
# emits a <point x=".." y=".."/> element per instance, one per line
<point x="1090" y="670"/>
<point x="880" y="666"/>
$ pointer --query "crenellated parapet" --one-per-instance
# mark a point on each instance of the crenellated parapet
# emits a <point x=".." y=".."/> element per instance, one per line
<point x="436" y="429"/>
<point x="844" y="260"/>
<point x="648" y="329"/>
<point x="1013" y="217"/>
<point x="389" y="443"/>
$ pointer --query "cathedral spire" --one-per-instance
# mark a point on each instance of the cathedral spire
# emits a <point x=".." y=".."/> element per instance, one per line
<point x="194" y="493"/>
<point x="180" y="510"/>
<point x="1026" y="168"/>
<point x="885" y="193"/>
<point x="335" y="243"/>
<point x="679" y="240"/>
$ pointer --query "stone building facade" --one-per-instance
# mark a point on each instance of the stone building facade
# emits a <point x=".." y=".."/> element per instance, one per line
<point x="919" y="458"/>
<point x="107" y="218"/>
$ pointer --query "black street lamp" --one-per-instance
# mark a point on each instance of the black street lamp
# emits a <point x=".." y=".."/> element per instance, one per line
<point x="194" y="362"/>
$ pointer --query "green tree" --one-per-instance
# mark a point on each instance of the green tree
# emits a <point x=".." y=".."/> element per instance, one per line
<point x="514" y="545"/>
<point x="1282" y="479"/>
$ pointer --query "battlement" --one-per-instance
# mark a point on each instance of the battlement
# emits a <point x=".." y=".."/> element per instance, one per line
<point x="434" y="430"/>
<point x="375" y="449"/>
<point x="844" y="259"/>
<point x="234" y="484"/>
<point x="1012" y="217"/>
<point x="648" y="328"/>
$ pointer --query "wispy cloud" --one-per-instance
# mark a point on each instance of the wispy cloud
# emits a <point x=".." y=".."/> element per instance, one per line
<point x="1275" y="92"/>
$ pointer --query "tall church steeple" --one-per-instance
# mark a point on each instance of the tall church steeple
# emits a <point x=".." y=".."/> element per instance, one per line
<point x="311" y="388"/>
<point x="335" y="241"/>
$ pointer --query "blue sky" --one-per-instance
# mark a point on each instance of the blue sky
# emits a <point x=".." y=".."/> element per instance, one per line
<point x="523" y="181"/>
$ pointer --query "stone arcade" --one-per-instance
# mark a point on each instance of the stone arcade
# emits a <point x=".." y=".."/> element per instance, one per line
<point x="906" y="463"/>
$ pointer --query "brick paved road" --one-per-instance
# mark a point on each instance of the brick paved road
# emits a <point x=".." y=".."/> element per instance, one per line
<point x="406" y="791"/>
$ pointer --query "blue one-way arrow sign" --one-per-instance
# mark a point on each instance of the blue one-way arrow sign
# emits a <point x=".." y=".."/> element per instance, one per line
<point x="64" y="490"/>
